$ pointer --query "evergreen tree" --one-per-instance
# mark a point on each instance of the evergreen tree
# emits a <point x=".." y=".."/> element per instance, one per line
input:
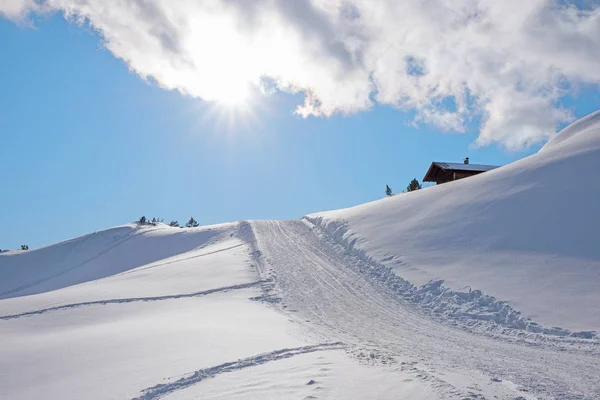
<point x="174" y="223"/>
<point x="413" y="185"/>
<point x="192" y="223"/>
<point x="142" y="220"/>
<point x="388" y="190"/>
<point x="24" y="247"/>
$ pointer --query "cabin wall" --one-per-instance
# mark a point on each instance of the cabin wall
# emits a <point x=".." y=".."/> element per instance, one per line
<point x="454" y="175"/>
<point x="464" y="174"/>
<point x="444" y="178"/>
<point x="439" y="175"/>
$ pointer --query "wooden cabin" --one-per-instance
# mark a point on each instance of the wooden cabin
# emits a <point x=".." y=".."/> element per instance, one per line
<point x="442" y="172"/>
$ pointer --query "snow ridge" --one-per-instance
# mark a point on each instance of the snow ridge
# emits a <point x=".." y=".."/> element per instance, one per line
<point x="474" y="309"/>
<point x="163" y="389"/>
<point x="571" y="132"/>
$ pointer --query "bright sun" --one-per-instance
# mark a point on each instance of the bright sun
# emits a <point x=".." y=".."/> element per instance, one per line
<point x="235" y="106"/>
<point x="234" y="92"/>
<point x="234" y="98"/>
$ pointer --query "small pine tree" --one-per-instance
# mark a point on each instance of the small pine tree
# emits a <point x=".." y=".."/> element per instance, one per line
<point x="24" y="247"/>
<point x="174" y="223"/>
<point x="192" y="223"/>
<point x="142" y="220"/>
<point x="388" y="190"/>
<point x="413" y="185"/>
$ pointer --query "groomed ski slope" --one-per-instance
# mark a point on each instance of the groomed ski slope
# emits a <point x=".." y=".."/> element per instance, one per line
<point x="364" y="303"/>
<point x="336" y="293"/>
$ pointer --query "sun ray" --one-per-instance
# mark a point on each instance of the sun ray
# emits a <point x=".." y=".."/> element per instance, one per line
<point x="234" y="117"/>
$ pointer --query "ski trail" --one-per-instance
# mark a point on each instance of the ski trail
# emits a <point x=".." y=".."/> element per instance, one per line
<point x="132" y="300"/>
<point x="476" y="310"/>
<point x="336" y="293"/>
<point x="164" y="389"/>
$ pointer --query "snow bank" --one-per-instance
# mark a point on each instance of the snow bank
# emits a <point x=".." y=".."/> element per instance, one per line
<point x="526" y="233"/>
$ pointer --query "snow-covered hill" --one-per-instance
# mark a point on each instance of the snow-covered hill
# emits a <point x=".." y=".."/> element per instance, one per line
<point x="364" y="303"/>
<point x="95" y="256"/>
<point x="527" y="233"/>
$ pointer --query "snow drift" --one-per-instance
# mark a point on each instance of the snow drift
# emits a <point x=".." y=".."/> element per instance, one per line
<point x="526" y="233"/>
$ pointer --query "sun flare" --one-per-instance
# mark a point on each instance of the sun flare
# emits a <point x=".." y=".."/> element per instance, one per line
<point x="234" y="97"/>
<point x="235" y="111"/>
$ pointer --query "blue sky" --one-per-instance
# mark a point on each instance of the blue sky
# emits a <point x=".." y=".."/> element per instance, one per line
<point x="86" y="144"/>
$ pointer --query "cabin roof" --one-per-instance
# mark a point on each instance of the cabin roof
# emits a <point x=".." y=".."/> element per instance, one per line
<point x="438" y="168"/>
<point x="465" y="167"/>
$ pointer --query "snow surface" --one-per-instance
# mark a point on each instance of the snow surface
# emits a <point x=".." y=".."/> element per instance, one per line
<point x="95" y="256"/>
<point x="526" y="233"/>
<point x="317" y="375"/>
<point x="365" y="303"/>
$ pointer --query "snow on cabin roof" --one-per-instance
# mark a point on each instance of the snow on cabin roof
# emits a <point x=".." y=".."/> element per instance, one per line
<point x="465" y="167"/>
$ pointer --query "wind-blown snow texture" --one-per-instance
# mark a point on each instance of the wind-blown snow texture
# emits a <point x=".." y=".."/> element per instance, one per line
<point x="485" y="288"/>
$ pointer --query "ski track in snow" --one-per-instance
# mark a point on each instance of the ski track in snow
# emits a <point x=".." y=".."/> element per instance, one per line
<point x="345" y="300"/>
<point x="164" y="389"/>
<point x="132" y="300"/>
<point x="334" y="292"/>
<point x="474" y="309"/>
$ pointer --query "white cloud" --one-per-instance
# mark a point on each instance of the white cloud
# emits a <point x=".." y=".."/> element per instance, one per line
<point x="17" y="9"/>
<point x="508" y="61"/>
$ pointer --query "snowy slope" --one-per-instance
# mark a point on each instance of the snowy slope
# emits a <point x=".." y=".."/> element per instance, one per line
<point x="344" y="297"/>
<point x="187" y="307"/>
<point x="338" y="305"/>
<point x="526" y="233"/>
<point x="95" y="256"/>
<point x="158" y="311"/>
<point x="267" y="309"/>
